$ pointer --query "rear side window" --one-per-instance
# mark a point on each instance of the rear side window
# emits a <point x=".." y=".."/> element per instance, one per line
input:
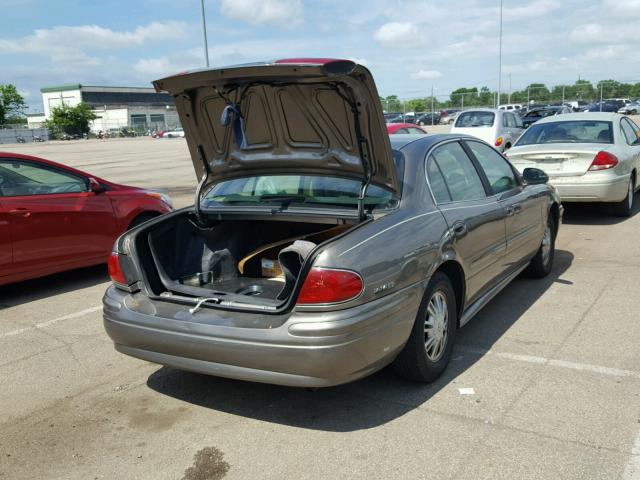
<point x="475" y="119"/>
<point x="498" y="171"/>
<point x="450" y="165"/>
<point x="630" y="133"/>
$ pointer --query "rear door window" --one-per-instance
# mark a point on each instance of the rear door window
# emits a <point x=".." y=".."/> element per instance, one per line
<point x="498" y="171"/>
<point x="475" y="119"/>
<point x="452" y="175"/>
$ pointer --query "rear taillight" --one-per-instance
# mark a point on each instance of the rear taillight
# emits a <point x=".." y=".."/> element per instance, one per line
<point x="326" y="285"/>
<point x="115" y="269"/>
<point x="499" y="141"/>
<point x="603" y="161"/>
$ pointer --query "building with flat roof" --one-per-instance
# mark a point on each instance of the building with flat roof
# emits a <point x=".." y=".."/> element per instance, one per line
<point x="138" y="108"/>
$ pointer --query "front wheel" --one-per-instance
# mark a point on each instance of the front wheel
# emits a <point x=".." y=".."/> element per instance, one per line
<point x="428" y="350"/>
<point x="540" y="266"/>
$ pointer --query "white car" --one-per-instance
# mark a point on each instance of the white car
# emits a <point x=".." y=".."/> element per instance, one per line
<point x="589" y="157"/>
<point x="498" y="128"/>
<point x="630" y="108"/>
<point x="510" y="107"/>
<point x="175" y="133"/>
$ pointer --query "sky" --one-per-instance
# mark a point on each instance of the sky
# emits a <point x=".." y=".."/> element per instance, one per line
<point x="409" y="45"/>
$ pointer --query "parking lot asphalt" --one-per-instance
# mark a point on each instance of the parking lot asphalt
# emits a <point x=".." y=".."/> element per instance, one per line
<point x="554" y="365"/>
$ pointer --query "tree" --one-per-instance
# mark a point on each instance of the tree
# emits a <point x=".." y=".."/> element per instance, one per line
<point x="70" y="120"/>
<point x="12" y="104"/>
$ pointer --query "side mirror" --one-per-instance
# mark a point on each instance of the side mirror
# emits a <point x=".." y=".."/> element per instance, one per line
<point x="534" y="176"/>
<point x="94" y="186"/>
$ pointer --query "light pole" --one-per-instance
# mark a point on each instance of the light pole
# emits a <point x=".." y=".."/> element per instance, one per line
<point x="500" y="57"/>
<point x="204" y="33"/>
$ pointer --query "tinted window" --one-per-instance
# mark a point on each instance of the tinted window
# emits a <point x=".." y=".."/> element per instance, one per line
<point x="460" y="176"/>
<point x="579" y="131"/>
<point x="475" y="119"/>
<point x="630" y="133"/>
<point x="436" y="181"/>
<point x="18" y="178"/>
<point x="415" y="130"/>
<point x="509" y="120"/>
<point x="497" y="169"/>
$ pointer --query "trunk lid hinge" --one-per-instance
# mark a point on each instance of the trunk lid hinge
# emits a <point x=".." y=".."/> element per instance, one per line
<point x="203" y="182"/>
<point x="364" y="153"/>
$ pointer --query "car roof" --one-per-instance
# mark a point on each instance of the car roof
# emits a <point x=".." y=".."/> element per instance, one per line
<point x="482" y="109"/>
<point x="398" y="142"/>
<point x="566" y="117"/>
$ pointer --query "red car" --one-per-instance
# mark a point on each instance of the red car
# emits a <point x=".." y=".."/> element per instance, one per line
<point x="399" y="128"/>
<point x="55" y="218"/>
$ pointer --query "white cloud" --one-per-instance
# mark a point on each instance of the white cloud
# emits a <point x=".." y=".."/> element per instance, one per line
<point x="154" y="66"/>
<point x="426" y="75"/>
<point x="587" y="33"/>
<point x="78" y="38"/>
<point x="393" y="34"/>
<point x="623" y="7"/>
<point x="279" y="12"/>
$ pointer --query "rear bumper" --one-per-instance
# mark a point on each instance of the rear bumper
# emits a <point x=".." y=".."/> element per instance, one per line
<point x="585" y="189"/>
<point x="307" y="350"/>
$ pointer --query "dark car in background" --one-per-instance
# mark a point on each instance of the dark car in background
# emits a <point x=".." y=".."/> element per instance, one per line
<point x="55" y="218"/>
<point x="332" y="249"/>
<point x="430" y="118"/>
<point x="535" y="114"/>
<point x="605" y="106"/>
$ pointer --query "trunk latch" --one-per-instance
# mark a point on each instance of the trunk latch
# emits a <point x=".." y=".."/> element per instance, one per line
<point x="201" y="301"/>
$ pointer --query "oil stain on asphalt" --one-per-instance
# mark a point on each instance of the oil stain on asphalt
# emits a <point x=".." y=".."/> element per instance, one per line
<point x="208" y="464"/>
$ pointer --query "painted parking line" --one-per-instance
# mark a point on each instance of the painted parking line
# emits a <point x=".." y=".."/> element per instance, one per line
<point x="614" y="372"/>
<point x="48" y="323"/>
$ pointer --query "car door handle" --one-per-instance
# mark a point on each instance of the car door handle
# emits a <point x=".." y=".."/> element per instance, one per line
<point x="21" y="212"/>
<point x="459" y="229"/>
<point x="514" y="209"/>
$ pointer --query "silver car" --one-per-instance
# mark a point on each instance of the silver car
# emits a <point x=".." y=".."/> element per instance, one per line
<point x="589" y="157"/>
<point x="496" y="127"/>
<point x="319" y="250"/>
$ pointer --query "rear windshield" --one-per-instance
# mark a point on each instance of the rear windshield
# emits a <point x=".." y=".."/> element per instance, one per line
<point x="475" y="119"/>
<point x="296" y="190"/>
<point x="578" y="131"/>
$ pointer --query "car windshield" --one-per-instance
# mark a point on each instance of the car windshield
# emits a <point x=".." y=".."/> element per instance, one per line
<point x="577" y="131"/>
<point x="475" y="119"/>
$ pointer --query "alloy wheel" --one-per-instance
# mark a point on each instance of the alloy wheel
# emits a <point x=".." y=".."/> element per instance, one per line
<point x="436" y="326"/>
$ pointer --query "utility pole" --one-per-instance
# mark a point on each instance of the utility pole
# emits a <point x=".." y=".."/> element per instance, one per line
<point x="563" y="94"/>
<point x="462" y="101"/>
<point x="204" y="33"/>
<point x="528" y="96"/>
<point x="432" y="105"/>
<point x="509" y="101"/>
<point x="500" y="57"/>
<point x="601" y="89"/>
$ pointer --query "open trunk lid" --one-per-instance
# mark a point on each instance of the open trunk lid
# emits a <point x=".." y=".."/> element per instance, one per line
<point x="559" y="159"/>
<point x="295" y="117"/>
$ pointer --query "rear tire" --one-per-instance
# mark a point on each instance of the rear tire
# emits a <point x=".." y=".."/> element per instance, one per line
<point x="428" y="350"/>
<point x="541" y="265"/>
<point x="625" y="207"/>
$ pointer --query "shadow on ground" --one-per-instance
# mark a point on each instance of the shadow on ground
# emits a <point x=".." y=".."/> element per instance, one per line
<point x="595" y="213"/>
<point x="43" y="287"/>
<point x="364" y="404"/>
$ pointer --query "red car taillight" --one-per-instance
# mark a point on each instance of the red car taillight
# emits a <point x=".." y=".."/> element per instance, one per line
<point x="115" y="269"/>
<point x="603" y="161"/>
<point x="326" y="285"/>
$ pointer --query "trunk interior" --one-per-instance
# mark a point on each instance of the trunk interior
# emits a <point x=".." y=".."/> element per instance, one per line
<point x="241" y="261"/>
